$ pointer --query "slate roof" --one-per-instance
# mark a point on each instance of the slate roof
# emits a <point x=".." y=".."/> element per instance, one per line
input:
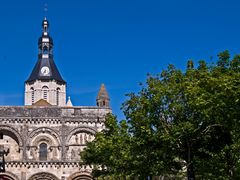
<point x="54" y="73"/>
<point x="45" y="61"/>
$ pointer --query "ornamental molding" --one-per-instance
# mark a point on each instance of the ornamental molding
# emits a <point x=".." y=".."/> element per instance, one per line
<point x="45" y="130"/>
<point x="85" y="129"/>
<point x="43" y="176"/>
<point x="84" y="174"/>
<point x="10" y="175"/>
<point x="49" y="164"/>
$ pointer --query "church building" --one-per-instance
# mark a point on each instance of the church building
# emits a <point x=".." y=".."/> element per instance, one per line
<point x="42" y="140"/>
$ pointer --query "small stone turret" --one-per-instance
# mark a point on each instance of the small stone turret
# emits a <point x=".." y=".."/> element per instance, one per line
<point x="103" y="99"/>
<point x="69" y="102"/>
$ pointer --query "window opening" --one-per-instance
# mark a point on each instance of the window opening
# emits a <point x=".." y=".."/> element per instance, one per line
<point x="45" y="50"/>
<point x="45" y="93"/>
<point x="32" y="95"/>
<point x="43" y="152"/>
<point x="57" y="96"/>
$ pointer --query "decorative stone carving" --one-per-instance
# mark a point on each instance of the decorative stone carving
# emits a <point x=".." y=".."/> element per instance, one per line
<point x="73" y="155"/>
<point x="9" y="176"/>
<point x="88" y="130"/>
<point x="76" y="138"/>
<point x="43" y="176"/>
<point x="80" y="176"/>
<point x="81" y="139"/>
<point x="65" y="136"/>
<point x="45" y="136"/>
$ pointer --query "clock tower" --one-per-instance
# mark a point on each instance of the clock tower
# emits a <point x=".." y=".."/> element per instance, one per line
<point x="45" y="83"/>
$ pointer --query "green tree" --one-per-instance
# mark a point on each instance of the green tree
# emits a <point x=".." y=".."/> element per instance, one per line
<point x="109" y="152"/>
<point x="178" y="123"/>
<point x="217" y="102"/>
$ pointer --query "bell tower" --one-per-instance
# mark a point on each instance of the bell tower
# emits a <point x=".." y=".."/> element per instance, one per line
<point x="45" y="83"/>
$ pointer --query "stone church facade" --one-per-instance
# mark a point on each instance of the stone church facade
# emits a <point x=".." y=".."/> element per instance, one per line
<point x="46" y="135"/>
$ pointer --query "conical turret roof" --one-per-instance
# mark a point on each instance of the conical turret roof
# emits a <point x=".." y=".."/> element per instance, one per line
<point x="102" y="93"/>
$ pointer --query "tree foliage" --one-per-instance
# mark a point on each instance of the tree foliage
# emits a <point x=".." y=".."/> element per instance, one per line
<point x="109" y="152"/>
<point x="179" y="124"/>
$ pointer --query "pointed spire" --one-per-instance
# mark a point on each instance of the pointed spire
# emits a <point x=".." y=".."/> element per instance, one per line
<point x="69" y="102"/>
<point x="102" y="97"/>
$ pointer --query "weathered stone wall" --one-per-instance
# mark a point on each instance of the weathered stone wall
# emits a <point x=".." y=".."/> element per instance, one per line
<point x="63" y="130"/>
<point x="51" y="92"/>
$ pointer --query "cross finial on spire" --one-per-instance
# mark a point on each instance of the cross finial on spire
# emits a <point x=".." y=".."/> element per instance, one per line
<point x="45" y="9"/>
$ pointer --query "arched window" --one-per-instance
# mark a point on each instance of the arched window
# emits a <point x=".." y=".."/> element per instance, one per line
<point x="57" y="96"/>
<point x="43" y="152"/>
<point x="32" y="94"/>
<point x="45" y="92"/>
<point x="45" y="50"/>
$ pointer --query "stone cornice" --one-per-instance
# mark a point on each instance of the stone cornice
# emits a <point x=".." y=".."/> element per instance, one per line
<point x="37" y="164"/>
<point x="33" y="112"/>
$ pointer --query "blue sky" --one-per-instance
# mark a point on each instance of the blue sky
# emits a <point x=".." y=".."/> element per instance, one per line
<point x="116" y="42"/>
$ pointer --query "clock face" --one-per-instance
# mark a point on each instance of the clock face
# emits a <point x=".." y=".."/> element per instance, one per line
<point x="45" y="71"/>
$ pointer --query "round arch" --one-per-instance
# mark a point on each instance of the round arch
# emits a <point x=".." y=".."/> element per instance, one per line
<point x="47" y="130"/>
<point x="43" y="176"/>
<point x="8" y="176"/>
<point x="12" y="132"/>
<point x="50" y="138"/>
<point x="44" y="87"/>
<point x="80" y="176"/>
<point x="80" y="129"/>
<point x="42" y="139"/>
